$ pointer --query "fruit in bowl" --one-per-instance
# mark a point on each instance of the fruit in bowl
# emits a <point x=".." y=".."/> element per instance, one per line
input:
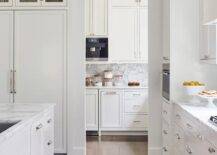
<point x="193" y="87"/>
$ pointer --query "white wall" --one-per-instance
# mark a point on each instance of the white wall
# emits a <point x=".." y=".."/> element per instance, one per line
<point x="155" y="61"/>
<point x="184" y="45"/>
<point x="76" y="76"/>
<point x="185" y="64"/>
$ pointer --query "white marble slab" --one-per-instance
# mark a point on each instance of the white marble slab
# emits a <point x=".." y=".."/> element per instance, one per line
<point x="24" y="113"/>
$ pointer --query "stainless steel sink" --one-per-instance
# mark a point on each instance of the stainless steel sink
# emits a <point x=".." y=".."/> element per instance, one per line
<point x="6" y="125"/>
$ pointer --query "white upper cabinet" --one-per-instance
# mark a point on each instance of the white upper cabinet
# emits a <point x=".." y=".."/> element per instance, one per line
<point x="40" y="2"/>
<point x="143" y="3"/>
<point x="123" y="34"/>
<point x="6" y="50"/>
<point x="96" y="22"/>
<point x="128" y="34"/>
<point x="209" y="11"/>
<point x="6" y="3"/>
<point x="143" y="34"/>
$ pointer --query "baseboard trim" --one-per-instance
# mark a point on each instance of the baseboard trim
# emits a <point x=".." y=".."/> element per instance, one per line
<point x="154" y="151"/>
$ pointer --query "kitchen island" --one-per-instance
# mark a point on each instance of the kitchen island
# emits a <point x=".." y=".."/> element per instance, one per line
<point x="26" y="129"/>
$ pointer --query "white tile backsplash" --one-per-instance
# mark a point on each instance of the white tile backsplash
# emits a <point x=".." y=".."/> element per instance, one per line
<point x="131" y="72"/>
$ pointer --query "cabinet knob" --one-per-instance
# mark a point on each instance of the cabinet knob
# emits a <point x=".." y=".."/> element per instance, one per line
<point x="178" y="136"/>
<point x="165" y="132"/>
<point x="178" y="116"/>
<point x="49" y="143"/>
<point x="211" y="150"/>
<point x="49" y="121"/>
<point x="189" y="126"/>
<point x="165" y="149"/>
<point x="188" y="149"/>
<point x="39" y="126"/>
<point x="165" y="112"/>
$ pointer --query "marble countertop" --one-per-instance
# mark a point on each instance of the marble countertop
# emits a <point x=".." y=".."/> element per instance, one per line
<point x="24" y="113"/>
<point x="117" y="87"/>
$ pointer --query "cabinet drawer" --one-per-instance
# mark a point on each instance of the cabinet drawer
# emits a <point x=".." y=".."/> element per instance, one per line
<point x="166" y="111"/>
<point x="136" y="102"/>
<point x="135" y="121"/>
<point x="165" y="132"/>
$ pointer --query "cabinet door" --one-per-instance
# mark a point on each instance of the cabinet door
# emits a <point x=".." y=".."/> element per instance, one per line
<point x="88" y="17"/>
<point x="125" y="2"/>
<point x="209" y="11"/>
<point x="6" y="51"/>
<point x="111" y="110"/>
<point x="6" y="3"/>
<point x="100" y="17"/>
<point x="92" y="110"/>
<point x="123" y="33"/>
<point x="18" y="143"/>
<point x="143" y="34"/>
<point x="28" y="2"/>
<point x="143" y="3"/>
<point x="40" y="63"/>
<point x="37" y="138"/>
<point x="54" y="2"/>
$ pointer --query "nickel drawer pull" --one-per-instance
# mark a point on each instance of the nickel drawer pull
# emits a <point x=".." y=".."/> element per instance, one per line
<point x="111" y="93"/>
<point x="165" y="112"/>
<point x="39" y="126"/>
<point x="165" y="149"/>
<point x="178" y="116"/>
<point x="189" y="126"/>
<point x="165" y="132"/>
<point x="188" y="149"/>
<point x="200" y="137"/>
<point x="49" y="143"/>
<point x="49" y="121"/>
<point x="136" y="121"/>
<point x="211" y="150"/>
<point x="136" y="94"/>
<point x="178" y="136"/>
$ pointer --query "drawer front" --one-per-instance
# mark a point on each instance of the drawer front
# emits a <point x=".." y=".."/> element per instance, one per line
<point x="178" y="140"/>
<point x="207" y="148"/>
<point x="166" y="112"/>
<point x="135" y="121"/>
<point x="165" y="133"/>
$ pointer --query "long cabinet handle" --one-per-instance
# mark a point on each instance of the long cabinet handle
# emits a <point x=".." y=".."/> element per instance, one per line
<point x="11" y="82"/>
<point x="14" y="82"/>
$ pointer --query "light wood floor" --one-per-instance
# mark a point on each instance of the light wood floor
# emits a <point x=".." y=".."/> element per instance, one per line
<point x="110" y="147"/>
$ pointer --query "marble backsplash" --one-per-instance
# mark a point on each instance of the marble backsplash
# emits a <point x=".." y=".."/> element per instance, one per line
<point x="130" y="72"/>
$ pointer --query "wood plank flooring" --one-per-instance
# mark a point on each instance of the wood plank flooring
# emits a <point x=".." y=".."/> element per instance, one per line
<point x="115" y="147"/>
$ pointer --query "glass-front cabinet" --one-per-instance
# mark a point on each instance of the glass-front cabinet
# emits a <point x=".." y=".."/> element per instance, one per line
<point x="39" y="2"/>
<point x="6" y="3"/>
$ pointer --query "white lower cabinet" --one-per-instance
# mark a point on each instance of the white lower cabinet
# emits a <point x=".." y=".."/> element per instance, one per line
<point x="111" y="107"/>
<point x="117" y="110"/>
<point x="18" y="144"/>
<point x="92" y="110"/>
<point x="42" y="136"/>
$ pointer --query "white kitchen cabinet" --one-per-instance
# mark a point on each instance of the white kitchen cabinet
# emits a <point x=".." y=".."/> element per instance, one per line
<point x="92" y="113"/>
<point x="208" y="44"/>
<point x="143" y="34"/>
<point x="42" y="135"/>
<point x="6" y="3"/>
<point x="122" y="33"/>
<point x="17" y="144"/>
<point x="136" y="122"/>
<point x="40" y="2"/>
<point x="111" y="107"/>
<point x="40" y="63"/>
<point x="128" y="31"/>
<point x="209" y="11"/>
<point x="136" y="102"/>
<point x="96" y="19"/>
<point x="6" y="51"/>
